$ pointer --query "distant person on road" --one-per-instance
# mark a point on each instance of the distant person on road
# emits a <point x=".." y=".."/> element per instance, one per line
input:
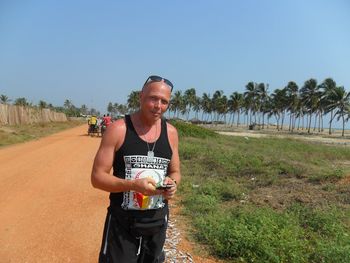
<point x="99" y="122"/>
<point x="142" y="148"/>
<point x="107" y="120"/>
<point x="92" y="122"/>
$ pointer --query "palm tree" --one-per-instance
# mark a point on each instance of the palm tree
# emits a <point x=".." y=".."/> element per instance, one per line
<point x="176" y="103"/>
<point x="262" y="97"/>
<point x="110" y="108"/>
<point x="190" y="100"/>
<point x="216" y="101"/>
<point x="93" y="111"/>
<point x="329" y="86"/>
<point x="21" y="102"/>
<point x="70" y="110"/>
<point x="236" y="103"/>
<point x="251" y="99"/>
<point x="121" y="108"/>
<point x="292" y="100"/>
<point x="42" y="104"/>
<point x="4" y="99"/>
<point x="266" y="109"/>
<point x="116" y="108"/>
<point x="67" y="104"/>
<point x="206" y="106"/>
<point x="222" y="107"/>
<point x="310" y="96"/>
<point x="83" y="109"/>
<point x="133" y="101"/>
<point x="197" y="106"/>
<point x="278" y="105"/>
<point x="341" y="103"/>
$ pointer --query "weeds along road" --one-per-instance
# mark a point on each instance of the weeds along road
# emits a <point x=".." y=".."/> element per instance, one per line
<point x="49" y="210"/>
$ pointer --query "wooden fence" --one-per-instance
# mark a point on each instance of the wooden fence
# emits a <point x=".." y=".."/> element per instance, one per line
<point x="15" y="115"/>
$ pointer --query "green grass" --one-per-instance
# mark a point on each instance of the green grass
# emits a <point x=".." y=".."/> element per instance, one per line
<point x="22" y="133"/>
<point x="256" y="234"/>
<point x="221" y="173"/>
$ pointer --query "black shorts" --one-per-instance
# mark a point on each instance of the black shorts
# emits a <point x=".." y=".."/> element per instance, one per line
<point x="123" y="242"/>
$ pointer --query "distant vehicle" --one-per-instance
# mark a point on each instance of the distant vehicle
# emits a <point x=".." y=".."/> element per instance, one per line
<point x="93" y="126"/>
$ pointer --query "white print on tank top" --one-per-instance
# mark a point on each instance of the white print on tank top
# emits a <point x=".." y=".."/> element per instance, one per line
<point x="137" y="167"/>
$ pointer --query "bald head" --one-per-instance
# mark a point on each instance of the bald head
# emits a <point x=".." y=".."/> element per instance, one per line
<point x="155" y="78"/>
<point x="158" y="87"/>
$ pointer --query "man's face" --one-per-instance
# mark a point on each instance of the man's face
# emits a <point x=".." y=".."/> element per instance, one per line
<point x="154" y="99"/>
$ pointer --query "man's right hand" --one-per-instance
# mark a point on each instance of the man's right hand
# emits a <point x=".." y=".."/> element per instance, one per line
<point x="146" y="186"/>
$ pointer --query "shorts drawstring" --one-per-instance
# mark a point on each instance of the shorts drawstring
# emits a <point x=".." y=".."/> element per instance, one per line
<point x="107" y="233"/>
<point x="139" y="249"/>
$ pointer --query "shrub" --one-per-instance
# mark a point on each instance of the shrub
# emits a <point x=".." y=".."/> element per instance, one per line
<point x="191" y="130"/>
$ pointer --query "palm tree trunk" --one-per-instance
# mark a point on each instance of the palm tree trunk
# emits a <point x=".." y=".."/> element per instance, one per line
<point x="230" y="118"/>
<point x="238" y="119"/>
<point x="290" y="122"/>
<point x="315" y="121"/>
<point x="255" y="117"/>
<point x="308" y="130"/>
<point x="330" y="124"/>
<point x="319" y="122"/>
<point x="282" y="123"/>
<point x="263" y="120"/>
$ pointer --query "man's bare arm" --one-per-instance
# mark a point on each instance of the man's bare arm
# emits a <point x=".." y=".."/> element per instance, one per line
<point x="174" y="166"/>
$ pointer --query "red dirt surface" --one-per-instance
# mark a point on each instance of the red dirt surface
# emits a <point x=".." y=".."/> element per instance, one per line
<point x="49" y="210"/>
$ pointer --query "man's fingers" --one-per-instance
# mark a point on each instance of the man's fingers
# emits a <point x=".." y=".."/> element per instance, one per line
<point x="151" y="181"/>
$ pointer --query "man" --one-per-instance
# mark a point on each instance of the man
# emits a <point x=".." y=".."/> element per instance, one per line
<point x="92" y="123"/>
<point x="143" y="150"/>
<point x="107" y="120"/>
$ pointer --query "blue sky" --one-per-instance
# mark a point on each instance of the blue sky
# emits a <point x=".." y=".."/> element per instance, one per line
<point x="93" y="52"/>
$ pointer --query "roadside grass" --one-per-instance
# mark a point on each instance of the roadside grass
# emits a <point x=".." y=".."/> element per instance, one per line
<point x="22" y="133"/>
<point x="221" y="173"/>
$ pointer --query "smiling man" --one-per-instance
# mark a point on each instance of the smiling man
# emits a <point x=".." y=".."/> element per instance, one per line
<point x="142" y="148"/>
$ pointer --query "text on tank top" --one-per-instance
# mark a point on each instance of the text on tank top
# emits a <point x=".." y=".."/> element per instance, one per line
<point x="131" y="162"/>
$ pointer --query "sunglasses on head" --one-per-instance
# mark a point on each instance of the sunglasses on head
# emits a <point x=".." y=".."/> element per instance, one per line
<point x="159" y="79"/>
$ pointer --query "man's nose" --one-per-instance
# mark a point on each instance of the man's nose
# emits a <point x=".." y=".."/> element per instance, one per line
<point x="157" y="103"/>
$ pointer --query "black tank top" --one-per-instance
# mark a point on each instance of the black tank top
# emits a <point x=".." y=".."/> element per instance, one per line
<point x="131" y="162"/>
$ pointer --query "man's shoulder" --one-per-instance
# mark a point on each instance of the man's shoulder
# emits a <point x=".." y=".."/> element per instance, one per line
<point x="118" y="124"/>
<point x="115" y="133"/>
<point x="171" y="129"/>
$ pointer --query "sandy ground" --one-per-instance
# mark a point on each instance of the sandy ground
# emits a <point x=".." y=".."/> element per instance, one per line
<point x="313" y="138"/>
<point x="49" y="210"/>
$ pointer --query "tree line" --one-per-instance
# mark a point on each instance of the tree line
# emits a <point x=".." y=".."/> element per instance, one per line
<point x="301" y="107"/>
<point x="305" y="106"/>
<point x="68" y="107"/>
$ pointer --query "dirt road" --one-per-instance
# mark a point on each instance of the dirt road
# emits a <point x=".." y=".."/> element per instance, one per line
<point x="48" y="210"/>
